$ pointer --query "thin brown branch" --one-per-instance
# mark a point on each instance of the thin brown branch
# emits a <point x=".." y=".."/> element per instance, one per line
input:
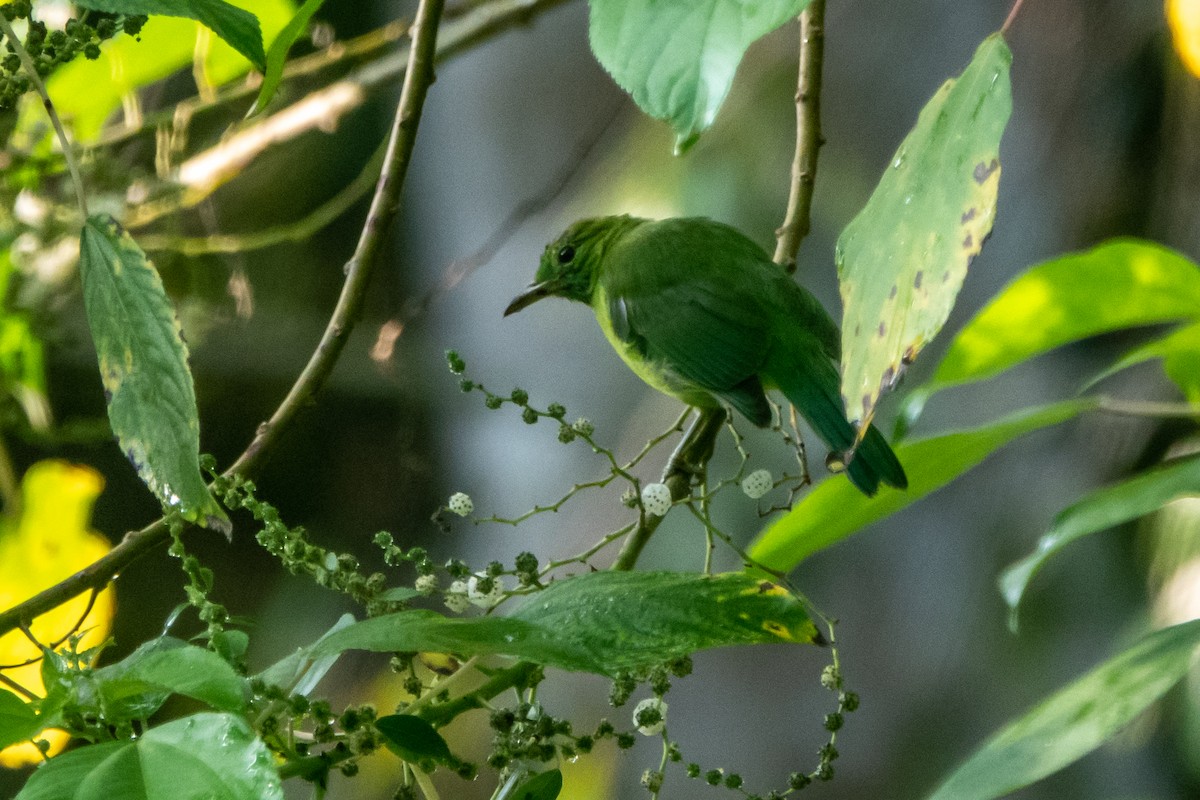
<point x="1012" y="15"/>
<point x="384" y="206"/>
<point x="797" y="220"/>
<point x="688" y="460"/>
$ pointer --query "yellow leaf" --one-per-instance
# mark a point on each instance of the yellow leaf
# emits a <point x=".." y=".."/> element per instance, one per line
<point x="1183" y="16"/>
<point x="47" y="542"/>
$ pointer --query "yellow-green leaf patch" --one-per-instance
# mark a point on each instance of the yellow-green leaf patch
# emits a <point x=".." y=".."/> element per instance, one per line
<point x="1119" y="284"/>
<point x="143" y="365"/>
<point x="603" y="622"/>
<point x="902" y="260"/>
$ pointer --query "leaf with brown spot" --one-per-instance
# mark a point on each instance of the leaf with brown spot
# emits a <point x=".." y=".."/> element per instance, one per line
<point x="928" y="216"/>
<point x="143" y="365"/>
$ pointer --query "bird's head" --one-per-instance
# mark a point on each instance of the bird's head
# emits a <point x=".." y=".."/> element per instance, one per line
<point x="571" y="262"/>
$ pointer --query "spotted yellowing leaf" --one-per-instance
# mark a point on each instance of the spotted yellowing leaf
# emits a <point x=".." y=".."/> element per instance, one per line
<point x="143" y="364"/>
<point x="902" y="260"/>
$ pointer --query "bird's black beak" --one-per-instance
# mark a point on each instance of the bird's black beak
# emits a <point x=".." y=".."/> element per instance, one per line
<point x="532" y="293"/>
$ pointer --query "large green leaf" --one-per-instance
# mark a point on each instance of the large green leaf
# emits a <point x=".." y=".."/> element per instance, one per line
<point x="603" y="622"/>
<point x="1100" y="511"/>
<point x="236" y="26"/>
<point x="1120" y="284"/>
<point x="166" y="666"/>
<point x="677" y="58"/>
<point x="87" y="92"/>
<point x="1180" y="354"/>
<point x="277" y="53"/>
<point x="18" y="720"/>
<point x="201" y="756"/>
<point x="1077" y="719"/>
<point x="300" y="672"/>
<point x="834" y="509"/>
<point x="143" y="364"/>
<point x="902" y="260"/>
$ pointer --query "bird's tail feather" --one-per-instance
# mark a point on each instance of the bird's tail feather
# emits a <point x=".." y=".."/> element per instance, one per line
<point x="810" y="383"/>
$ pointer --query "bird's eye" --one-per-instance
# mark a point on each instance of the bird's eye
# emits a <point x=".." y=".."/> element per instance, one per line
<point x="565" y="254"/>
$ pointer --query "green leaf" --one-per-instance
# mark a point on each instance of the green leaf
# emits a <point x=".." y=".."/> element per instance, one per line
<point x="300" y="672"/>
<point x="1101" y="510"/>
<point x="1180" y="354"/>
<point x="143" y="363"/>
<point x="603" y="622"/>
<point x="87" y="92"/>
<point x="543" y="786"/>
<point x="413" y="739"/>
<point x="201" y="756"/>
<point x="1076" y="720"/>
<point x="18" y="720"/>
<point x="834" y="509"/>
<point x="236" y="26"/>
<point x="277" y="53"/>
<point x="902" y="260"/>
<point x="677" y="58"/>
<point x="1119" y="284"/>
<point x="166" y="666"/>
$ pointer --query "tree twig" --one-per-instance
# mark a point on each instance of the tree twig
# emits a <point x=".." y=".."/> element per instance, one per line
<point x="691" y="456"/>
<point x="797" y="220"/>
<point x="1012" y="15"/>
<point x="384" y="206"/>
<point x="34" y="78"/>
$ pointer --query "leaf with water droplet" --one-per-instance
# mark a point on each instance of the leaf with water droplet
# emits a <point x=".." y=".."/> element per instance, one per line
<point x="143" y="365"/>
<point x="204" y="755"/>
<point x="902" y="260"/>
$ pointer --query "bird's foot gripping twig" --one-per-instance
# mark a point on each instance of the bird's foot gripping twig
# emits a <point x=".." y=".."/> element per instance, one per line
<point x="691" y="457"/>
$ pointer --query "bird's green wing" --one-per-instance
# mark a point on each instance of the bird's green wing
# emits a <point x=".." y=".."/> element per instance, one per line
<point x="692" y="306"/>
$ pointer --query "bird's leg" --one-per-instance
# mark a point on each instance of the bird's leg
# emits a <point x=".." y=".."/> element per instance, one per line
<point x="801" y="452"/>
<point x="690" y="459"/>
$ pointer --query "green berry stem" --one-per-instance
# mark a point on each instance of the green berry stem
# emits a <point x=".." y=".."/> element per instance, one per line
<point x="36" y="79"/>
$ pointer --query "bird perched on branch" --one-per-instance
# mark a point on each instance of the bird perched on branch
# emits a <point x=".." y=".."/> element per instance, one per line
<point x="701" y="313"/>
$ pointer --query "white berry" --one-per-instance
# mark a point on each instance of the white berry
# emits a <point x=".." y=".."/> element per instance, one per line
<point x="456" y="597"/>
<point x="426" y="584"/>
<point x="484" y="599"/>
<point x="757" y="483"/>
<point x="654" y="709"/>
<point x="461" y="504"/>
<point x="656" y="499"/>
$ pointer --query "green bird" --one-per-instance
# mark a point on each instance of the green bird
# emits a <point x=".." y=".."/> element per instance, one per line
<point x="701" y="313"/>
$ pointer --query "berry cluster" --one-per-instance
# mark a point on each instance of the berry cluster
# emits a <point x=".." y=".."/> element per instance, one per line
<point x="50" y="48"/>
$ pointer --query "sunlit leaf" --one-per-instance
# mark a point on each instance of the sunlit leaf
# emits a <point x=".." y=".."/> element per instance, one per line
<point x="602" y="622"/>
<point x="1099" y="511"/>
<point x="413" y="739"/>
<point x="1183" y="16"/>
<point x="1180" y="354"/>
<point x="201" y="756"/>
<point x="49" y="541"/>
<point x="677" y="58"/>
<point x="1076" y="720"/>
<point x="236" y="26"/>
<point x="87" y="92"/>
<point x="23" y="368"/>
<point x="143" y="364"/>
<point x="277" y="53"/>
<point x="902" y="260"/>
<point x="835" y="509"/>
<point x="1120" y="284"/>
